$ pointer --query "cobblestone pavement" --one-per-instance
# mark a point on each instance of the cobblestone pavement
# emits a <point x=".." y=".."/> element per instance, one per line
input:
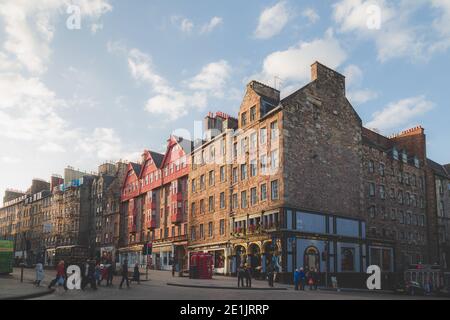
<point x="11" y="287"/>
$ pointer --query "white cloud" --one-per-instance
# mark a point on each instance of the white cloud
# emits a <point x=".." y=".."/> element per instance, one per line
<point x="311" y="15"/>
<point x="294" y="64"/>
<point x="399" y="114"/>
<point x="10" y="160"/>
<point x="184" y="24"/>
<point x="353" y="75"/>
<point x="214" y="23"/>
<point x="398" y="36"/>
<point x="166" y="100"/>
<point x="361" y="96"/>
<point x="212" y="78"/>
<point x="272" y="21"/>
<point x="95" y="27"/>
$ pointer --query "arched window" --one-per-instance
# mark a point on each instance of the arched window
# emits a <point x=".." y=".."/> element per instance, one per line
<point x="312" y="258"/>
<point x="348" y="259"/>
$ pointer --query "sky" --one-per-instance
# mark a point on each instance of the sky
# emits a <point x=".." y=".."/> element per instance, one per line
<point x="88" y="81"/>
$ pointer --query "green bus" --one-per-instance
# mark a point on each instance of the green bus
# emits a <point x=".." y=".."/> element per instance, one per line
<point x="6" y="256"/>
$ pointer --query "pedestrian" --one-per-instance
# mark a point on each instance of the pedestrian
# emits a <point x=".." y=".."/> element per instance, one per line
<point x="270" y="275"/>
<point x="296" y="279"/>
<point x="60" y="279"/>
<point x="110" y="267"/>
<point x="173" y="269"/>
<point x="302" y="279"/>
<point x="125" y="274"/>
<point x="91" y="275"/>
<point x="316" y="278"/>
<point x="241" y="275"/>
<point x="39" y="274"/>
<point x="97" y="274"/>
<point x="136" y="274"/>
<point x="310" y="278"/>
<point x="248" y="276"/>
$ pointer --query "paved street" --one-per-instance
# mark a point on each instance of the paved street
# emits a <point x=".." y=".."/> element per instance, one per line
<point x="157" y="289"/>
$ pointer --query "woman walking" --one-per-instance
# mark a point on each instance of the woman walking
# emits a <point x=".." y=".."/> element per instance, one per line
<point x="39" y="274"/>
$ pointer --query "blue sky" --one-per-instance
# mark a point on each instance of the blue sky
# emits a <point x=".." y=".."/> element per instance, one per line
<point x="136" y="71"/>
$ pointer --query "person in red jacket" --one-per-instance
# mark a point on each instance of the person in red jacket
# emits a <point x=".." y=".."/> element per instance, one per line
<point x="60" y="276"/>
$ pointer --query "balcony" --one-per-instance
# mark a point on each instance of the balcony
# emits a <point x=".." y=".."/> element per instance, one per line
<point x="151" y="205"/>
<point x="177" y="217"/>
<point x="177" y="197"/>
<point x="133" y="229"/>
<point x="151" y="224"/>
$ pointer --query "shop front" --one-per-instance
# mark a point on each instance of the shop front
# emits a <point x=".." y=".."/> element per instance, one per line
<point x="133" y="255"/>
<point x="162" y="257"/>
<point x="220" y="254"/>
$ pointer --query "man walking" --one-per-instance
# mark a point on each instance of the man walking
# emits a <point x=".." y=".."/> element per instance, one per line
<point x="248" y="276"/>
<point x="240" y="274"/>
<point x="125" y="274"/>
<point x="302" y="279"/>
<point x="270" y="276"/>
<point x="296" y="279"/>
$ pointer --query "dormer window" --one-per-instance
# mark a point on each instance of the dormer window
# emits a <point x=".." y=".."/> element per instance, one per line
<point x="395" y="153"/>
<point x="253" y="114"/>
<point x="404" y="157"/>
<point x="244" y="119"/>
<point x="416" y="162"/>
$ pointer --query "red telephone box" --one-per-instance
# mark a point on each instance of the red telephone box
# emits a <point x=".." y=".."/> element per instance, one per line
<point x="201" y="266"/>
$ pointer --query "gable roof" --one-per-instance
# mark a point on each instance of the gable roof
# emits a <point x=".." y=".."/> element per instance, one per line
<point x="438" y="168"/>
<point x="157" y="158"/>
<point x="136" y="168"/>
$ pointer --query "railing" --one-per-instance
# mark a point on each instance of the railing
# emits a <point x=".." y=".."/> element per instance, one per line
<point x="177" y="197"/>
<point x="177" y="217"/>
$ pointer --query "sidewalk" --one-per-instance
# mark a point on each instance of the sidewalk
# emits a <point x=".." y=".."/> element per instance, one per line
<point x="221" y="282"/>
<point x="12" y="289"/>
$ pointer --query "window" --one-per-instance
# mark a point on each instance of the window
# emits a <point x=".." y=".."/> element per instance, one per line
<point x="372" y="212"/>
<point x="253" y="196"/>
<point x="234" y="201"/>
<point x="244" y="119"/>
<point x="263" y="136"/>
<point x="235" y="175"/>
<point x="382" y="169"/>
<point x="274" y="189"/>
<point x="401" y="216"/>
<point x="253" y="113"/>
<point x="253" y="142"/>
<point x="222" y="200"/>
<point x="253" y="168"/>
<point x="395" y="154"/>
<point x="193" y="209"/>
<point x="244" y="203"/>
<point x="211" y="203"/>
<point x="211" y="178"/>
<point x="202" y="233"/>
<point x="263" y="192"/>
<point x="393" y="214"/>
<point x="222" y="174"/>
<point x="382" y="192"/>
<point x="274" y="131"/>
<point x="222" y="227"/>
<point x="210" y="229"/>
<point x="243" y="171"/>
<point x="372" y="189"/>
<point x="263" y="164"/>
<point x="347" y="259"/>
<point x="202" y="182"/>
<point x="274" y="159"/>
<point x="202" y="206"/>
<point x="371" y="167"/>
<point x="441" y="209"/>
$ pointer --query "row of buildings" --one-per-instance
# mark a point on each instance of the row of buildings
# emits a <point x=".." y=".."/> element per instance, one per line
<point x="295" y="182"/>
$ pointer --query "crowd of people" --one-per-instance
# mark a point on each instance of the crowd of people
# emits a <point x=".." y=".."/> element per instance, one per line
<point x="93" y="274"/>
<point x="309" y="278"/>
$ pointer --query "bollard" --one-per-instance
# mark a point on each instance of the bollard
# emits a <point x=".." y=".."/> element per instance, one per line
<point x="22" y="265"/>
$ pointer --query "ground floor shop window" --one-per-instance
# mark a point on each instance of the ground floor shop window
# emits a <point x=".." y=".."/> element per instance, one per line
<point x="348" y="259"/>
<point x="219" y="259"/>
<point x="382" y="257"/>
<point x="312" y="258"/>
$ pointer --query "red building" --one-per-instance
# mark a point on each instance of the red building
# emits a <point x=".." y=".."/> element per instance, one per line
<point x="154" y="206"/>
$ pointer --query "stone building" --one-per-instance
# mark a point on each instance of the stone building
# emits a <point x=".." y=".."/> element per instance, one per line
<point x="154" y="206"/>
<point x="438" y="195"/>
<point x="294" y="190"/>
<point x="105" y="215"/>
<point x="69" y="222"/>
<point x="395" y="199"/>
<point x="210" y="193"/>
